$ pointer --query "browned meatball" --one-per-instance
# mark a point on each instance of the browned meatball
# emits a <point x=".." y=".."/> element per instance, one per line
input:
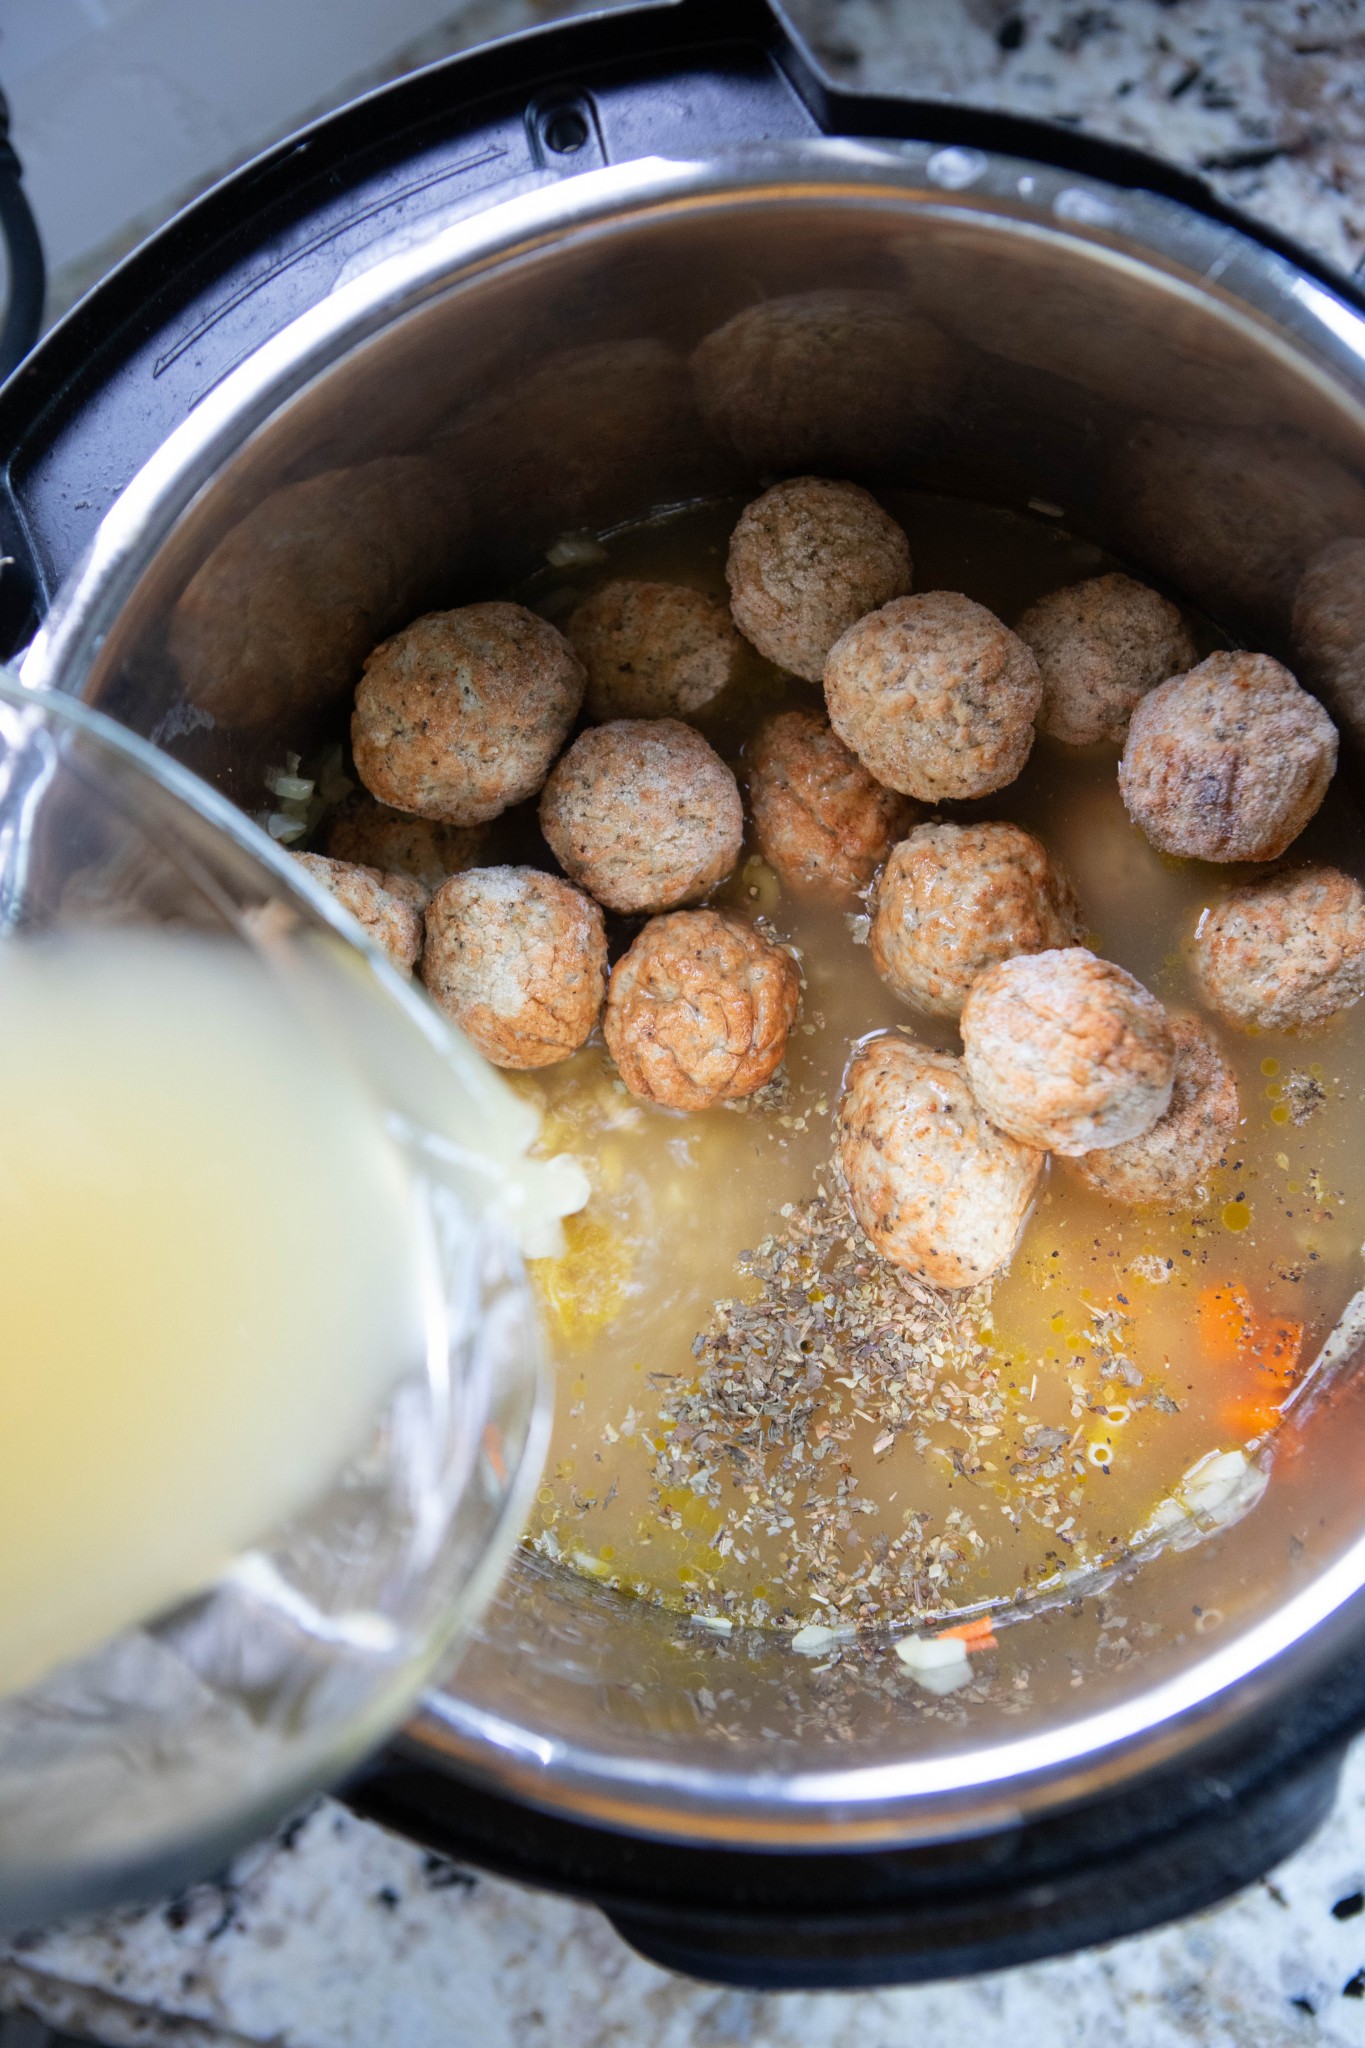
<point x="699" y="1009"/>
<point x="378" y="836"/>
<point x="937" y="1189"/>
<point x="643" y="813"/>
<point x="851" y="378"/>
<point x="388" y="907"/>
<point x="1101" y="646"/>
<point x="934" y="696"/>
<point x="1067" y="1051"/>
<point x="1285" y="952"/>
<point x="954" y="899"/>
<point x="820" y="819"/>
<point x="518" y="960"/>
<point x="808" y="560"/>
<point x="653" y="650"/>
<point x="1227" y="762"/>
<point x="461" y="714"/>
<point x="1170" y="1163"/>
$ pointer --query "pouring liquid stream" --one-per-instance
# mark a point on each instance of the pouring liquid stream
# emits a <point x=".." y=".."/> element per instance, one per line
<point x="211" y="1264"/>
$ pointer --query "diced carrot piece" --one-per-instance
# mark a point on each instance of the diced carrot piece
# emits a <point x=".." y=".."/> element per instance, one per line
<point x="1231" y="1333"/>
<point x="1279" y="1344"/>
<point x="977" y="1635"/>
<point x="1250" y="1416"/>
<point x="1226" y="1321"/>
<point x="1266" y="1349"/>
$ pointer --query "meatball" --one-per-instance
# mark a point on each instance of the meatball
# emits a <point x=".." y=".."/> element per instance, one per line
<point x="643" y="813"/>
<point x="1169" y="1163"/>
<point x="937" y="1189"/>
<point x="954" y="899"/>
<point x="1284" y="952"/>
<point x="518" y="960"/>
<point x="377" y="836"/>
<point x="1227" y="762"/>
<point x="699" y="1009"/>
<point x="852" y="379"/>
<point x="819" y="817"/>
<point x="388" y="907"/>
<point x="461" y="714"/>
<point x="653" y="650"/>
<point x="808" y="560"/>
<point x="1101" y="645"/>
<point x="934" y="696"/>
<point x="1067" y="1051"/>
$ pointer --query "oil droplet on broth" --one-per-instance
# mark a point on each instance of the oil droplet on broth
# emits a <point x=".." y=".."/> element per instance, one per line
<point x="1074" y="1399"/>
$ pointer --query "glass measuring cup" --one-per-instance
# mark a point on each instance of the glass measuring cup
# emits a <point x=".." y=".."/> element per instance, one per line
<point x="142" y="1764"/>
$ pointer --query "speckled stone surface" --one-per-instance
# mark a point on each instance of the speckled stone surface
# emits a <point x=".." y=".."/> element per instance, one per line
<point x="1264" y="98"/>
<point x="339" y="1936"/>
<point x="343" y="1937"/>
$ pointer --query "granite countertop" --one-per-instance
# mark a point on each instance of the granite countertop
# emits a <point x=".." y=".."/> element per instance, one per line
<point x="337" y="1935"/>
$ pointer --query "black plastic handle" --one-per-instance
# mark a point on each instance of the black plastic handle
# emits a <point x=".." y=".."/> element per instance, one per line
<point x="838" y="1921"/>
<point x="26" y="281"/>
<point x="1174" y="1841"/>
<point x="127" y="365"/>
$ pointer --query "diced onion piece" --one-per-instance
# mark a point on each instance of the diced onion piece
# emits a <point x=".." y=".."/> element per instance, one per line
<point x="1216" y="1491"/>
<point x="294" y="789"/>
<point x="813" y="1641"/>
<point x="939" y="1663"/>
<point x="1221" y="1487"/>
<point x="281" y="826"/>
<point x="575" y="551"/>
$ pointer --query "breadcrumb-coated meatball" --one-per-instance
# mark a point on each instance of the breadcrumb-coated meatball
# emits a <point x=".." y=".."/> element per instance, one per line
<point x="820" y="819"/>
<point x="935" y="696"/>
<point x="954" y="899"/>
<point x="374" y="834"/>
<point x="643" y="813"/>
<point x="1101" y="646"/>
<point x="1285" y="952"/>
<point x="800" y="382"/>
<point x="1227" y="762"/>
<point x="518" y="960"/>
<point x="461" y="713"/>
<point x="808" y="560"/>
<point x="1169" y="1163"/>
<point x="936" y="1187"/>
<point x="699" y="1009"/>
<point x="388" y="907"/>
<point x="1067" y="1051"/>
<point x="653" y="650"/>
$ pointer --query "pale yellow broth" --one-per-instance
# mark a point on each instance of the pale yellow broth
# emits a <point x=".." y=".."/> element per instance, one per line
<point x="677" y="1197"/>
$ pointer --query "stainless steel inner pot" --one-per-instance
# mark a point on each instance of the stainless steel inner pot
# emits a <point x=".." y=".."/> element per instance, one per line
<point x="936" y="317"/>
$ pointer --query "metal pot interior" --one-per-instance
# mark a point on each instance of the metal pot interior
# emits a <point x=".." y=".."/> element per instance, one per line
<point x="1185" y="398"/>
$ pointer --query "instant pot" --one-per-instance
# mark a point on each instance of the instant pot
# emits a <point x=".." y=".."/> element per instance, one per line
<point x="388" y="365"/>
